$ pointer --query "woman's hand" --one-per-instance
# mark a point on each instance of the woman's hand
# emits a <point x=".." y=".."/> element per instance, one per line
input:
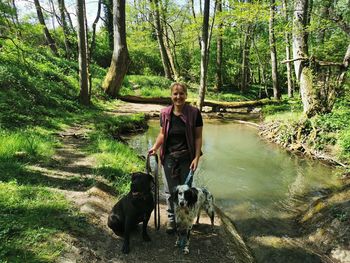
<point x="152" y="151"/>
<point x="194" y="164"/>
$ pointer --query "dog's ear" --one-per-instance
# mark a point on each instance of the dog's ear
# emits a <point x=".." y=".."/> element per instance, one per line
<point x="192" y="197"/>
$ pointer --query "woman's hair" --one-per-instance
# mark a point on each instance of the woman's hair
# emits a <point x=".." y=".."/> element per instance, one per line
<point x="183" y="85"/>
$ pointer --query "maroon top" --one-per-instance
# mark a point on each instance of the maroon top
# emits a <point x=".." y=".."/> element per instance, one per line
<point x="189" y="117"/>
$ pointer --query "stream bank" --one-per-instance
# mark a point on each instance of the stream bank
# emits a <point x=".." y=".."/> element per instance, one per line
<point x="324" y="219"/>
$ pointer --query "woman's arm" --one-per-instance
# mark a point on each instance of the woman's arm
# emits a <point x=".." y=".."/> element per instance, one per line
<point x="198" y="148"/>
<point x="158" y="143"/>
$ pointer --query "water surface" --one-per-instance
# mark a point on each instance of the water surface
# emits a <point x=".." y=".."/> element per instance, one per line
<point x="256" y="183"/>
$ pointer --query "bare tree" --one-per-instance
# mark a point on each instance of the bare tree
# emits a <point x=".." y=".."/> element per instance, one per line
<point x="50" y="41"/>
<point x="120" y="58"/>
<point x="83" y="53"/>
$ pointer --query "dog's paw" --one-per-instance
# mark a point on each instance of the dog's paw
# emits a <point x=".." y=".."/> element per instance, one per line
<point x="126" y="248"/>
<point x="146" y="237"/>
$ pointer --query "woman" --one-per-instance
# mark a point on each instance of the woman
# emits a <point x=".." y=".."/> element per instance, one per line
<point x="180" y="140"/>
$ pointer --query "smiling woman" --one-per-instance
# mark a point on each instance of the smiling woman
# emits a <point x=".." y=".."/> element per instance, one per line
<point x="180" y="140"/>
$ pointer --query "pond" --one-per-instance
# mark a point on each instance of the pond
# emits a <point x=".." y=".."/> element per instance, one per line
<point x="257" y="184"/>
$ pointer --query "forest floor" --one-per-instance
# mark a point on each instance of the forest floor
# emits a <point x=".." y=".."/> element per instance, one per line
<point x="98" y="243"/>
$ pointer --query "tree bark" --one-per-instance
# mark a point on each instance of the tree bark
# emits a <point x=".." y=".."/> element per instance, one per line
<point x="83" y="60"/>
<point x="120" y="58"/>
<point x="50" y="41"/>
<point x="273" y="52"/>
<point x="204" y="54"/>
<point x="218" y="73"/>
<point x="160" y="33"/>
<point x="288" y="55"/>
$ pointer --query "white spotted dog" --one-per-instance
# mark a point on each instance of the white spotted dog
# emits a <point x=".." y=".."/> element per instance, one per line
<point x="189" y="201"/>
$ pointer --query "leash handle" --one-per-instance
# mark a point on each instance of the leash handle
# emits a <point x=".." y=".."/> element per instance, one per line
<point x="189" y="177"/>
<point x="156" y="189"/>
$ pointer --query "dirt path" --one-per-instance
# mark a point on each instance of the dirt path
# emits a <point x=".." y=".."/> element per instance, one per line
<point x="99" y="244"/>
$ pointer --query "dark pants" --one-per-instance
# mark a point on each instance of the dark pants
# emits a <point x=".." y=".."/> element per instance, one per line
<point x="170" y="182"/>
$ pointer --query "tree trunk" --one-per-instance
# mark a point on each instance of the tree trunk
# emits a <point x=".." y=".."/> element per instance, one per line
<point x="108" y="11"/>
<point x="160" y="33"/>
<point x="262" y="77"/>
<point x="204" y="54"/>
<point x="54" y="16"/>
<point x="67" y="44"/>
<point x="245" y="71"/>
<point x="120" y="58"/>
<point x="302" y="71"/>
<point x="83" y="60"/>
<point x="69" y="20"/>
<point x="346" y="63"/>
<point x="273" y="52"/>
<point x="288" y="57"/>
<point x="47" y="34"/>
<point x="218" y="73"/>
<point x="93" y="37"/>
<point x="170" y="45"/>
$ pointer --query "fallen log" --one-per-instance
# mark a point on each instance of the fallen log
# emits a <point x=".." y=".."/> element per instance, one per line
<point x="216" y="105"/>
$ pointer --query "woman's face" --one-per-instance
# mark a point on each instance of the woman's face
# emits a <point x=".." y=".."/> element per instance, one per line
<point x="178" y="95"/>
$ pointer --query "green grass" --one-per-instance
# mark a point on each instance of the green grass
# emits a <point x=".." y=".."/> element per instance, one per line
<point x="26" y="145"/>
<point x="32" y="218"/>
<point x="115" y="160"/>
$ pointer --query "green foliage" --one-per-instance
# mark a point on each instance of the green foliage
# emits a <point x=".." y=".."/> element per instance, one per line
<point x="148" y="86"/>
<point x="285" y="106"/>
<point x="344" y="142"/>
<point x="34" y="90"/>
<point x="102" y="53"/>
<point x="145" y="62"/>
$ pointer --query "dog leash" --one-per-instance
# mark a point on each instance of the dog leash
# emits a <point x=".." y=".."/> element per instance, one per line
<point x="156" y="189"/>
<point x="189" y="177"/>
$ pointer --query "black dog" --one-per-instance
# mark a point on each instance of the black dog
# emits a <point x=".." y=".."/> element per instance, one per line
<point x="132" y="209"/>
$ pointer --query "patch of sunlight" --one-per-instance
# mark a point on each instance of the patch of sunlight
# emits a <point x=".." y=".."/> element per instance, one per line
<point x="273" y="241"/>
